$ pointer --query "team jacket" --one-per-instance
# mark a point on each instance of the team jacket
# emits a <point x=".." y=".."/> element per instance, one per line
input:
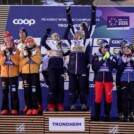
<point x="103" y="68"/>
<point x="79" y="57"/>
<point x="117" y="57"/>
<point x="9" y="64"/>
<point x="32" y="64"/>
<point x="55" y="52"/>
<point x="126" y="70"/>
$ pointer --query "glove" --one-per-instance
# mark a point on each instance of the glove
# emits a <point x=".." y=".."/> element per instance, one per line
<point x="48" y="30"/>
<point x="60" y="43"/>
<point x="128" y="59"/>
<point x="124" y="59"/>
<point x="68" y="10"/>
<point x="33" y="53"/>
<point x="106" y="56"/>
<point x="29" y="53"/>
<point x="132" y="58"/>
<point x="83" y="24"/>
<point x="70" y="26"/>
<point x="5" y="53"/>
<point x="93" y="6"/>
<point x="65" y="76"/>
<point x="10" y="51"/>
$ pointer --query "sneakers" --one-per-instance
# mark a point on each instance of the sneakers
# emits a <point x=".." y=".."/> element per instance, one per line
<point x="51" y="107"/>
<point x="4" y="112"/>
<point x="84" y="107"/>
<point x="60" y="107"/>
<point x="120" y="118"/>
<point x="29" y="112"/>
<point x="34" y="112"/>
<point x="14" y="112"/>
<point x="72" y="107"/>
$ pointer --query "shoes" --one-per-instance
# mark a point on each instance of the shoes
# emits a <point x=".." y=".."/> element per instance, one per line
<point x="14" y="112"/>
<point x="126" y="119"/>
<point x="121" y="116"/>
<point x="39" y="108"/>
<point x="34" y="112"/>
<point x="131" y="117"/>
<point x="29" y="112"/>
<point x="60" y="107"/>
<point x="4" y="112"/>
<point x="25" y="109"/>
<point x="73" y="107"/>
<point x="96" y="118"/>
<point x="84" y="107"/>
<point x="51" y="107"/>
<point x="107" y="118"/>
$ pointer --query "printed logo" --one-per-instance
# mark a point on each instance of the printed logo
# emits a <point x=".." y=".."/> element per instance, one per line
<point x="118" y="22"/>
<point x="20" y="128"/>
<point x="29" y="22"/>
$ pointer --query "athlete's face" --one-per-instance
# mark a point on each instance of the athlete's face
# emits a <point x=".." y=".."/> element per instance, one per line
<point x="5" y="38"/>
<point x="103" y="50"/>
<point x="9" y="44"/>
<point x="22" y="34"/>
<point x="77" y="36"/>
<point x="30" y="44"/>
<point x="56" y="37"/>
<point x="127" y="50"/>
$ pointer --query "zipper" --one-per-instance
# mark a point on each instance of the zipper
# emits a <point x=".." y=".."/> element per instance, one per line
<point x="76" y="63"/>
<point x="128" y="78"/>
<point x="103" y="76"/>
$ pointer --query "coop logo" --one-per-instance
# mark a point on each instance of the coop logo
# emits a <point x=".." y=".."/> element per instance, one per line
<point x="115" y="41"/>
<point x="29" y="22"/>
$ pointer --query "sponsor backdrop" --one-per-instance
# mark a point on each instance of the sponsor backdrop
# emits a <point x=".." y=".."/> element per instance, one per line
<point x="113" y="24"/>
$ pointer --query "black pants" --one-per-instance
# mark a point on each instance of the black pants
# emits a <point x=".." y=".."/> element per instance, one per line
<point x="56" y="88"/>
<point x="46" y="77"/>
<point x="127" y="97"/>
<point x="30" y="82"/>
<point x="119" y="96"/>
<point x="13" y="83"/>
<point x="77" y="83"/>
<point x="39" y="92"/>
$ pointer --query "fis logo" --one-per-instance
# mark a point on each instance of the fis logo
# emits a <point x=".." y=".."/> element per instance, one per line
<point x="29" y="22"/>
<point x="97" y="41"/>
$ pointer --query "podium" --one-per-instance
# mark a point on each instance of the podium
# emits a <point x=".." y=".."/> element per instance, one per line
<point x="10" y="124"/>
<point x="111" y="127"/>
<point x="67" y="122"/>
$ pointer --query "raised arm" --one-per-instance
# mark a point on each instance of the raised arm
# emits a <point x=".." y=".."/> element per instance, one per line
<point x="93" y="21"/>
<point x="44" y="38"/>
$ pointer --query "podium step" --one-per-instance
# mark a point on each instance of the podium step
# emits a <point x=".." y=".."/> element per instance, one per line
<point x="65" y="116"/>
<point x="111" y="127"/>
<point x="21" y="124"/>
